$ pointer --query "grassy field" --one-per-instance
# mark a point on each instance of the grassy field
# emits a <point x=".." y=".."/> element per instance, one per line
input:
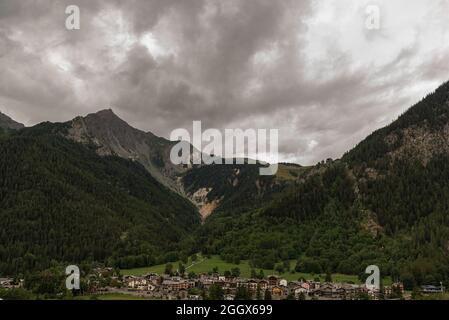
<point x="436" y="296"/>
<point x="206" y="265"/>
<point x="289" y="172"/>
<point x="110" y="296"/>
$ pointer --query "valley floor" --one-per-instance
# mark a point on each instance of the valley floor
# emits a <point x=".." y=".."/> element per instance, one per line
<point x="205" y="265"/>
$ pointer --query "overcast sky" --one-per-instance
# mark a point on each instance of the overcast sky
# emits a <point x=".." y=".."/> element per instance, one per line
<point x="312" y="69"/>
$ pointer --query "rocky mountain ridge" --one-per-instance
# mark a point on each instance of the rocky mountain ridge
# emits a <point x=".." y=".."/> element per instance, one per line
<point x="8" y="123"/>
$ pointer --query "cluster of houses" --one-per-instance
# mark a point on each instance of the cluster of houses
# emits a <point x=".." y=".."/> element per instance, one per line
<point x="173" y="287"/>
<point x="432" y="289"/>
<point x="9" y="283"/>
<point x="155" y="286"/>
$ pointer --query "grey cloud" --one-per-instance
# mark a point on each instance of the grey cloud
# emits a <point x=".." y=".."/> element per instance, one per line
<point x="233" y="63"/>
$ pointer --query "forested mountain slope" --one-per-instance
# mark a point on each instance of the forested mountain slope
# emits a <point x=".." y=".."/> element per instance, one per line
<point x="209" y="187"/>
<point x="385" y="203"/>
<point x="61" y="201"/>
<point x="113" y="136"/>
<point x="84" y="191"/>
<point x="232" y="189"/>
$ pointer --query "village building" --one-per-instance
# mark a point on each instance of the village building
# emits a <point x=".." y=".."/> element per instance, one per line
<point x="176" y="285"/>
<point x="8" y="283"/>
<point x="277" y="293"/>
<point x="429" y="289"/>
<point x="298" y="291"/>
<point x="398" y="286"/>
<point x="263" y="284"/>
<point x="273" y="280"/>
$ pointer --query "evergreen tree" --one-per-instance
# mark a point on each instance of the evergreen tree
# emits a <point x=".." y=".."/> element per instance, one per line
<point x="216" y="292"/>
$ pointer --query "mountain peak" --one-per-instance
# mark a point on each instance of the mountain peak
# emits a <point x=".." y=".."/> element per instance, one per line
<point x="104" y="114"/>
<point x="108" y="111"/>
<point x="107" y="119"/>
<point x="114" y="136"/>
<point x="8" y="123"/>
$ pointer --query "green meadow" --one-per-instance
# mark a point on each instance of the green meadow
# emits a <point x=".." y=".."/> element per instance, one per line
<point x="205" y="265"/>
<point x="111" y="296"/>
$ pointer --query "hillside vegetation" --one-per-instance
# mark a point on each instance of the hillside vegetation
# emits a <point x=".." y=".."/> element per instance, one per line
<point x="60" y="201"/>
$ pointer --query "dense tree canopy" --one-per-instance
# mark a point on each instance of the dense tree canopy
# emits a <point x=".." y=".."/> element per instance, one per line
<point x="61" y="201"/>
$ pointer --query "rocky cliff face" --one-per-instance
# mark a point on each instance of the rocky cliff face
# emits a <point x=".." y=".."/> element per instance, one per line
<point x="206" y="186"/>
<point x="113" y="136"/>
<point x="421" y="133"/>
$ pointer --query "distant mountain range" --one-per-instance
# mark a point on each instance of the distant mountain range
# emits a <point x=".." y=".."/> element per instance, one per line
<point x="208" y="187"/>
<point x="96" y="189"/>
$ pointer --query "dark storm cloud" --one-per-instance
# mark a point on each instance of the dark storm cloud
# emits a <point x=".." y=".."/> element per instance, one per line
<point x="309" y="68"/>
